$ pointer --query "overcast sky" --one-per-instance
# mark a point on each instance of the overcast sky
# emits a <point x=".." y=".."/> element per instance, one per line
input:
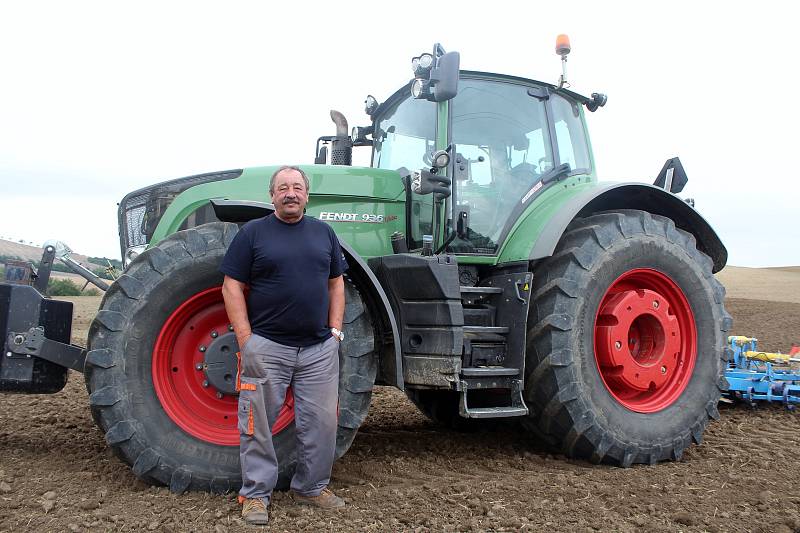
<point x="98" y="99"/>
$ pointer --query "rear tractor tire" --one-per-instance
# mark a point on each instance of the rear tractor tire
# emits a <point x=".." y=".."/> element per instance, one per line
<point x="626" y="349"/>
<point x="161" y="368"/>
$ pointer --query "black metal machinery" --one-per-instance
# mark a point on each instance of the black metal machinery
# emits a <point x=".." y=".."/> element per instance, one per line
<point x="36" y="333"/>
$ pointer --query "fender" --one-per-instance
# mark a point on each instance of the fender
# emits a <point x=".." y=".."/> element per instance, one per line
<point x="391" y="368"/>
<point x="632" y="196"/>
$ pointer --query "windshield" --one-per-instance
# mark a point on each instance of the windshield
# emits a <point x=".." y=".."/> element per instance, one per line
<point x="501" y="132"/>
<point x="404" y="134"/>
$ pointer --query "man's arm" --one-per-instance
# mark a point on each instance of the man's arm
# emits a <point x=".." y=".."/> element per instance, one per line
<point x="336" y="302"/>
<point x="236" y="307"/>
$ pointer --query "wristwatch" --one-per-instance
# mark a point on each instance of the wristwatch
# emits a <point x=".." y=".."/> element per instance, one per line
<point x="338" y="334"/>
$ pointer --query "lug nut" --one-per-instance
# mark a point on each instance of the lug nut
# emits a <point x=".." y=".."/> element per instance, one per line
<point x="198" y="366"/>
<point x="655" y="304"/>
<point x="202" y="348"/>
<point x="205" y="383"/>
<point x="663" y="370"/>
<point x="214" y="334"/>
<point x="219" y="395"/>
<point x="618" y="345"/>
<point x="230" y="327"/>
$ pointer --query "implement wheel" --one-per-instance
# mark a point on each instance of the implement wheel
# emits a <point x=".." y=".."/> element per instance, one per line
<point x="627" y="341"/>
<point x="161" y="368"/>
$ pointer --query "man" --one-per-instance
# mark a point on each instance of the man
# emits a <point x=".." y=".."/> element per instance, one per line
<point x="288" y="328"/>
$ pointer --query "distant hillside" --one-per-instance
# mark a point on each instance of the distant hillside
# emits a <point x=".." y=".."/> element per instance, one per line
<point x="32" y="253"/>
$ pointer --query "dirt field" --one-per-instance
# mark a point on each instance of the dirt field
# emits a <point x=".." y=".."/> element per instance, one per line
<point x="404" y="474"/>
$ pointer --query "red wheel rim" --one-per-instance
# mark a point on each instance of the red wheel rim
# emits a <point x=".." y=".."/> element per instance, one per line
<point x="645" y="340"/>
<point x="179" y="383"/>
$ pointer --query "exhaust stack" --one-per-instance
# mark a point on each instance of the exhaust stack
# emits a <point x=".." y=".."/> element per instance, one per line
<point x="342" y="145"/>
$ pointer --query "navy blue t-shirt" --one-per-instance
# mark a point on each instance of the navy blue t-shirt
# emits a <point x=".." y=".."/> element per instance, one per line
<point x="287" y="267"/>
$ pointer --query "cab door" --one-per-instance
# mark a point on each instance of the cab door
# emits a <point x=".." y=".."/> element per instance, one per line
<point x="502" y="136"/>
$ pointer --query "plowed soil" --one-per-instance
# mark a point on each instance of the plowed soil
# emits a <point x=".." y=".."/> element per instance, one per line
<point x="405" y="474"/>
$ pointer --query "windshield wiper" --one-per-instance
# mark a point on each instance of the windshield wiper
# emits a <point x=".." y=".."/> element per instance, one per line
<point x="556" y="173"/>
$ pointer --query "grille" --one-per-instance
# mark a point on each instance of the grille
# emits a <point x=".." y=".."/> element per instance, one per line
<point x="132" y="217"/>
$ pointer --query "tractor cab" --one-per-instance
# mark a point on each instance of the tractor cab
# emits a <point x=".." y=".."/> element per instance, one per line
<point x="506" y="138"/>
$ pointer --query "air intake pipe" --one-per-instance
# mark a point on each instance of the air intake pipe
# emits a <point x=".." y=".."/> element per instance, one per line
<point x="342" y="145"/>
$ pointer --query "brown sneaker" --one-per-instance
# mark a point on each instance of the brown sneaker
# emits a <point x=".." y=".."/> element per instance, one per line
<point x="254" y="511"/>
<point x="326" y="500"/>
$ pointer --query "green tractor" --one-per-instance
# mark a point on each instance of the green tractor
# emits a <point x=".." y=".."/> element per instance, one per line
<point x="491" y="276"/>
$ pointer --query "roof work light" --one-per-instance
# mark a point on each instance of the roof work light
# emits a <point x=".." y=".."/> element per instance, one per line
<point x="563" y="48"/>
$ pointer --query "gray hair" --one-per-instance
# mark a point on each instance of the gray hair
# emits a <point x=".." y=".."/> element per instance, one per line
<point x="287" y="167"/>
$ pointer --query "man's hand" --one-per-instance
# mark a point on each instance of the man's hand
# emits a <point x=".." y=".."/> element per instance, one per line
<point x="242" y="339"/>
<point x="236" y="307"/>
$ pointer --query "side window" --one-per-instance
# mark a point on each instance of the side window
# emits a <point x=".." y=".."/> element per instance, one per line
<point x="404" y="134"/>
<point x="570" y="134"/>
<point x="404" y="137"/>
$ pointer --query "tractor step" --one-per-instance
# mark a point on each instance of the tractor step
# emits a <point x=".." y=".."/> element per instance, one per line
<point x="488" y="371"/>
<point x="496" y="330"/>
<point x="517" y="407"/>
<point x="494" y="412"/>
<point x="479" y="316"/>
<point x="481" y="290"/>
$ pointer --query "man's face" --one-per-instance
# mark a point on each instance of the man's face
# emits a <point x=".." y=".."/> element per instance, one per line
<point x="289" y="195"/>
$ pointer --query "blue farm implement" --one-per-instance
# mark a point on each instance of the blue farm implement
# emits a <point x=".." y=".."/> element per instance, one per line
<point x="754" y="375"/>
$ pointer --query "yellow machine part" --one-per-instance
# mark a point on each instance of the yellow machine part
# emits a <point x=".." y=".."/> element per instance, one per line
<point x="768" y="357"/>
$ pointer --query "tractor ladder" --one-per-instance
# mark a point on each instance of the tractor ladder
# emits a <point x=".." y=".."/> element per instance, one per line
<point x="493" y="361"/>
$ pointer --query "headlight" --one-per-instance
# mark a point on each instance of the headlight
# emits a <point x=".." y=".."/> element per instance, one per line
<point x="441" y="159"/>
<point x="422" y="65"/>
<point x="370" y="105"/>
<point x="420" y="88"/>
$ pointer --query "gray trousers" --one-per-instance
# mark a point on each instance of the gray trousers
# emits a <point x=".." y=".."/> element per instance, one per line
<point x="267" y="370"/>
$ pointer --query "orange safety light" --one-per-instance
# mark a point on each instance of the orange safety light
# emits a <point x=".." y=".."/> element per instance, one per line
<point x="562" y="45"/>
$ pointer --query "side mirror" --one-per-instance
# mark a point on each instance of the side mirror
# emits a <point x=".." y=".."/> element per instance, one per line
<point x="444" y="77"/>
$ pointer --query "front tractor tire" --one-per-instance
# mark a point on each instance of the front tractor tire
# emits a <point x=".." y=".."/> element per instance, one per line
<point x="161" y="368"/>
<point x="626" y="345"/>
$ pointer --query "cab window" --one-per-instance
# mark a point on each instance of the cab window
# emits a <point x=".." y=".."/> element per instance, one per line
<point x="570" y="134"/>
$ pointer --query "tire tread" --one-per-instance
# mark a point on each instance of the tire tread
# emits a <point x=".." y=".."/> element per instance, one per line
<point x="552" y="388"/>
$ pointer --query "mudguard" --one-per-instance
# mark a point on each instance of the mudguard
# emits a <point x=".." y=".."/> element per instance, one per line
<point x="632" y="196"/>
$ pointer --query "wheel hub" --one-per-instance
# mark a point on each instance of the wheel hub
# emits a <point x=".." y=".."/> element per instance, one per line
<point x="639" y="339"/>
<point x="194" y="371"/>
<point x="645" y="340"/>
<point x="219" y="362"/>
